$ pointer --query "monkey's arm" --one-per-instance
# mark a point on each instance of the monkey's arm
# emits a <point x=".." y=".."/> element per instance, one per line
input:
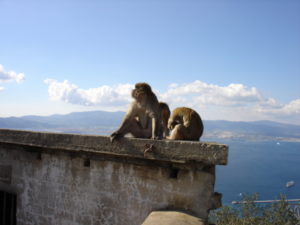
<point x="156" y="123"/>
<point x="126" y="123"/>
<point x="172" y="122"/>
<point x="154" y="129"/>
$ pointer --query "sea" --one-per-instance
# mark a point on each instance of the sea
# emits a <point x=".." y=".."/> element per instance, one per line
<point x="262" y="168"/>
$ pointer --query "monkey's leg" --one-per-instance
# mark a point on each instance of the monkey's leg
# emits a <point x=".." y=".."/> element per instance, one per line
<point x="157" y="128"/>
<point x="180" y="132"/>
<point x="134" y="128"/>
<point x="139" y="132"/>
<point x="123" y="129"/>
<point x="166" y="131"/>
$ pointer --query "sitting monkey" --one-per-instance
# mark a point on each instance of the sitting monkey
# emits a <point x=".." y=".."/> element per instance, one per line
<point x="143" y="118"/>
<point x="165" y="115"/>
<point x="185" y="124"/>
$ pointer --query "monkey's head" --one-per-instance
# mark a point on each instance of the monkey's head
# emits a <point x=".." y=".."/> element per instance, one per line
<point x="172" y="124"/>
<point x="141" y="91"/>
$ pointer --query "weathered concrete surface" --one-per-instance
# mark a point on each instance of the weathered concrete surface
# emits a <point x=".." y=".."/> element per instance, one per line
<point x="75" y="179"/>
<point x="172" y="218"/>
<point x="174" y="151"/>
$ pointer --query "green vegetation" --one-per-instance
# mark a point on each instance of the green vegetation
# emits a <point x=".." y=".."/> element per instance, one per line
<point x="251" y="213"/>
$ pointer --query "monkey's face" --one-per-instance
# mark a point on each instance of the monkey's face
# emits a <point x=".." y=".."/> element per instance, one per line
<point x="141" y="91"/>
<point x="138" y="95"/>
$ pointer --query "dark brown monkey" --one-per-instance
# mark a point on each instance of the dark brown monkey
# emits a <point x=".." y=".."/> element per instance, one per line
<point x="185" y="124"/>
<point x="142" y="119"/>
<point x="165" y="115"/>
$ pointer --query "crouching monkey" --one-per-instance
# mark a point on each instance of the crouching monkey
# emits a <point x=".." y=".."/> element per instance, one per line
<point x="185" y="124"/>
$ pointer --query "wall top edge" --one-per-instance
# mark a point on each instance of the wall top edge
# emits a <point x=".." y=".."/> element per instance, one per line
<point x="160" y="150"/>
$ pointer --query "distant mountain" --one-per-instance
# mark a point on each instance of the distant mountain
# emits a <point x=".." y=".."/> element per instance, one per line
<point x="92" y="122"/>
<point x="22" y="123"/>
<point x="103" y="123"/>
<point x="80" y="119"/>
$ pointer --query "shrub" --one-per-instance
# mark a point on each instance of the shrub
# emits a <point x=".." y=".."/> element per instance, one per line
<point x="251" y="213"/>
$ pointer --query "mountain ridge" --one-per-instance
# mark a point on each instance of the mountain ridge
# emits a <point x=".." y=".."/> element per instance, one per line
<point x="103" y="123"/>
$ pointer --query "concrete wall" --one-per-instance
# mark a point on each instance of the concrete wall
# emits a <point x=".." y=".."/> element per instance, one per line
<point x="76" y="179"/>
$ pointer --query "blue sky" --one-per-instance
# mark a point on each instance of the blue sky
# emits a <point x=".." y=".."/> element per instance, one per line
<point x="232" y="60"/>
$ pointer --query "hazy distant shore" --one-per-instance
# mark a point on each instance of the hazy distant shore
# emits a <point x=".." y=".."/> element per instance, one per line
<point x="104" y="123"/>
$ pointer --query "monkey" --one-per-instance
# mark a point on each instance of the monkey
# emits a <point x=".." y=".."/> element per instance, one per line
<point x="147" y="127"/>
<point x="165" y="115"/>
<point x="143" y="119"/>
<point x="185" y="124"/>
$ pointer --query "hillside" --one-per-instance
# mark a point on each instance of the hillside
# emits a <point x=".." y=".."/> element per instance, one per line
<point x="103" y="123"/>
<point x="257" y="130"/>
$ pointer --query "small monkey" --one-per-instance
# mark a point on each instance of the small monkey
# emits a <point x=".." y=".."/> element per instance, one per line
<point x="143" y="119"/>
<point x="165" y="115"/>
<point x="185" y="124"/>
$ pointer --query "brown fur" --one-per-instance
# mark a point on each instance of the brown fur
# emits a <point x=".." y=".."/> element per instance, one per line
<point x="185" y="124"/>
<point x="165" y="115"/>
<point x="142" y="119"/>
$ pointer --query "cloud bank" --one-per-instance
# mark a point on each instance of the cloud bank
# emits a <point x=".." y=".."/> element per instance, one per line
<point x="10" y="76"/>
<point x="231" y="102"/>
<point x="102" y="96"/>
<point x="202" y="93"/>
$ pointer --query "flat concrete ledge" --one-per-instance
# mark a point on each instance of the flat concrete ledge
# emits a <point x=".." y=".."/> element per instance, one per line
<point x="172" y="218"/>
<point x="182" y="152"/>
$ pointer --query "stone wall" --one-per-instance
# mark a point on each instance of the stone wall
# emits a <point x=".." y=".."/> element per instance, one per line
<point x="80" y="179"/>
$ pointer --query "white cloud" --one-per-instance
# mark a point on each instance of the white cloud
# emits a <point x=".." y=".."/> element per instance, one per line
<point x="236" y="101"/>
<point x="6" y="76"/>
<point x="291" y="108"/>
<point x="202" y="93"/>
<point x="232" y="102"/>
<point x="101" y="96"/>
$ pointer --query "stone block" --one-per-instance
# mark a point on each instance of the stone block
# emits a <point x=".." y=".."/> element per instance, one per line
<point x="172" y="218"/>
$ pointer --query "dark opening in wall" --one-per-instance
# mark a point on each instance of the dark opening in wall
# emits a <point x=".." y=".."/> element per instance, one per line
<point x="174" y="173"/>
<point x="87" y="163"/>
<point x="8" y="205"/>
<point x="39" y="156"/>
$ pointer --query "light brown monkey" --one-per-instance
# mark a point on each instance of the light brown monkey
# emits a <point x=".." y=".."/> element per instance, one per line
<point x="146" y="125"/>
<point x="185" y="124"/>
<point x="143" y="118"/>
<point x="165" y="115"/>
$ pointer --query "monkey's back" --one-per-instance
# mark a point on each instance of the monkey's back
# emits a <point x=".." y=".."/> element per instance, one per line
<point x="191" y="120"/>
